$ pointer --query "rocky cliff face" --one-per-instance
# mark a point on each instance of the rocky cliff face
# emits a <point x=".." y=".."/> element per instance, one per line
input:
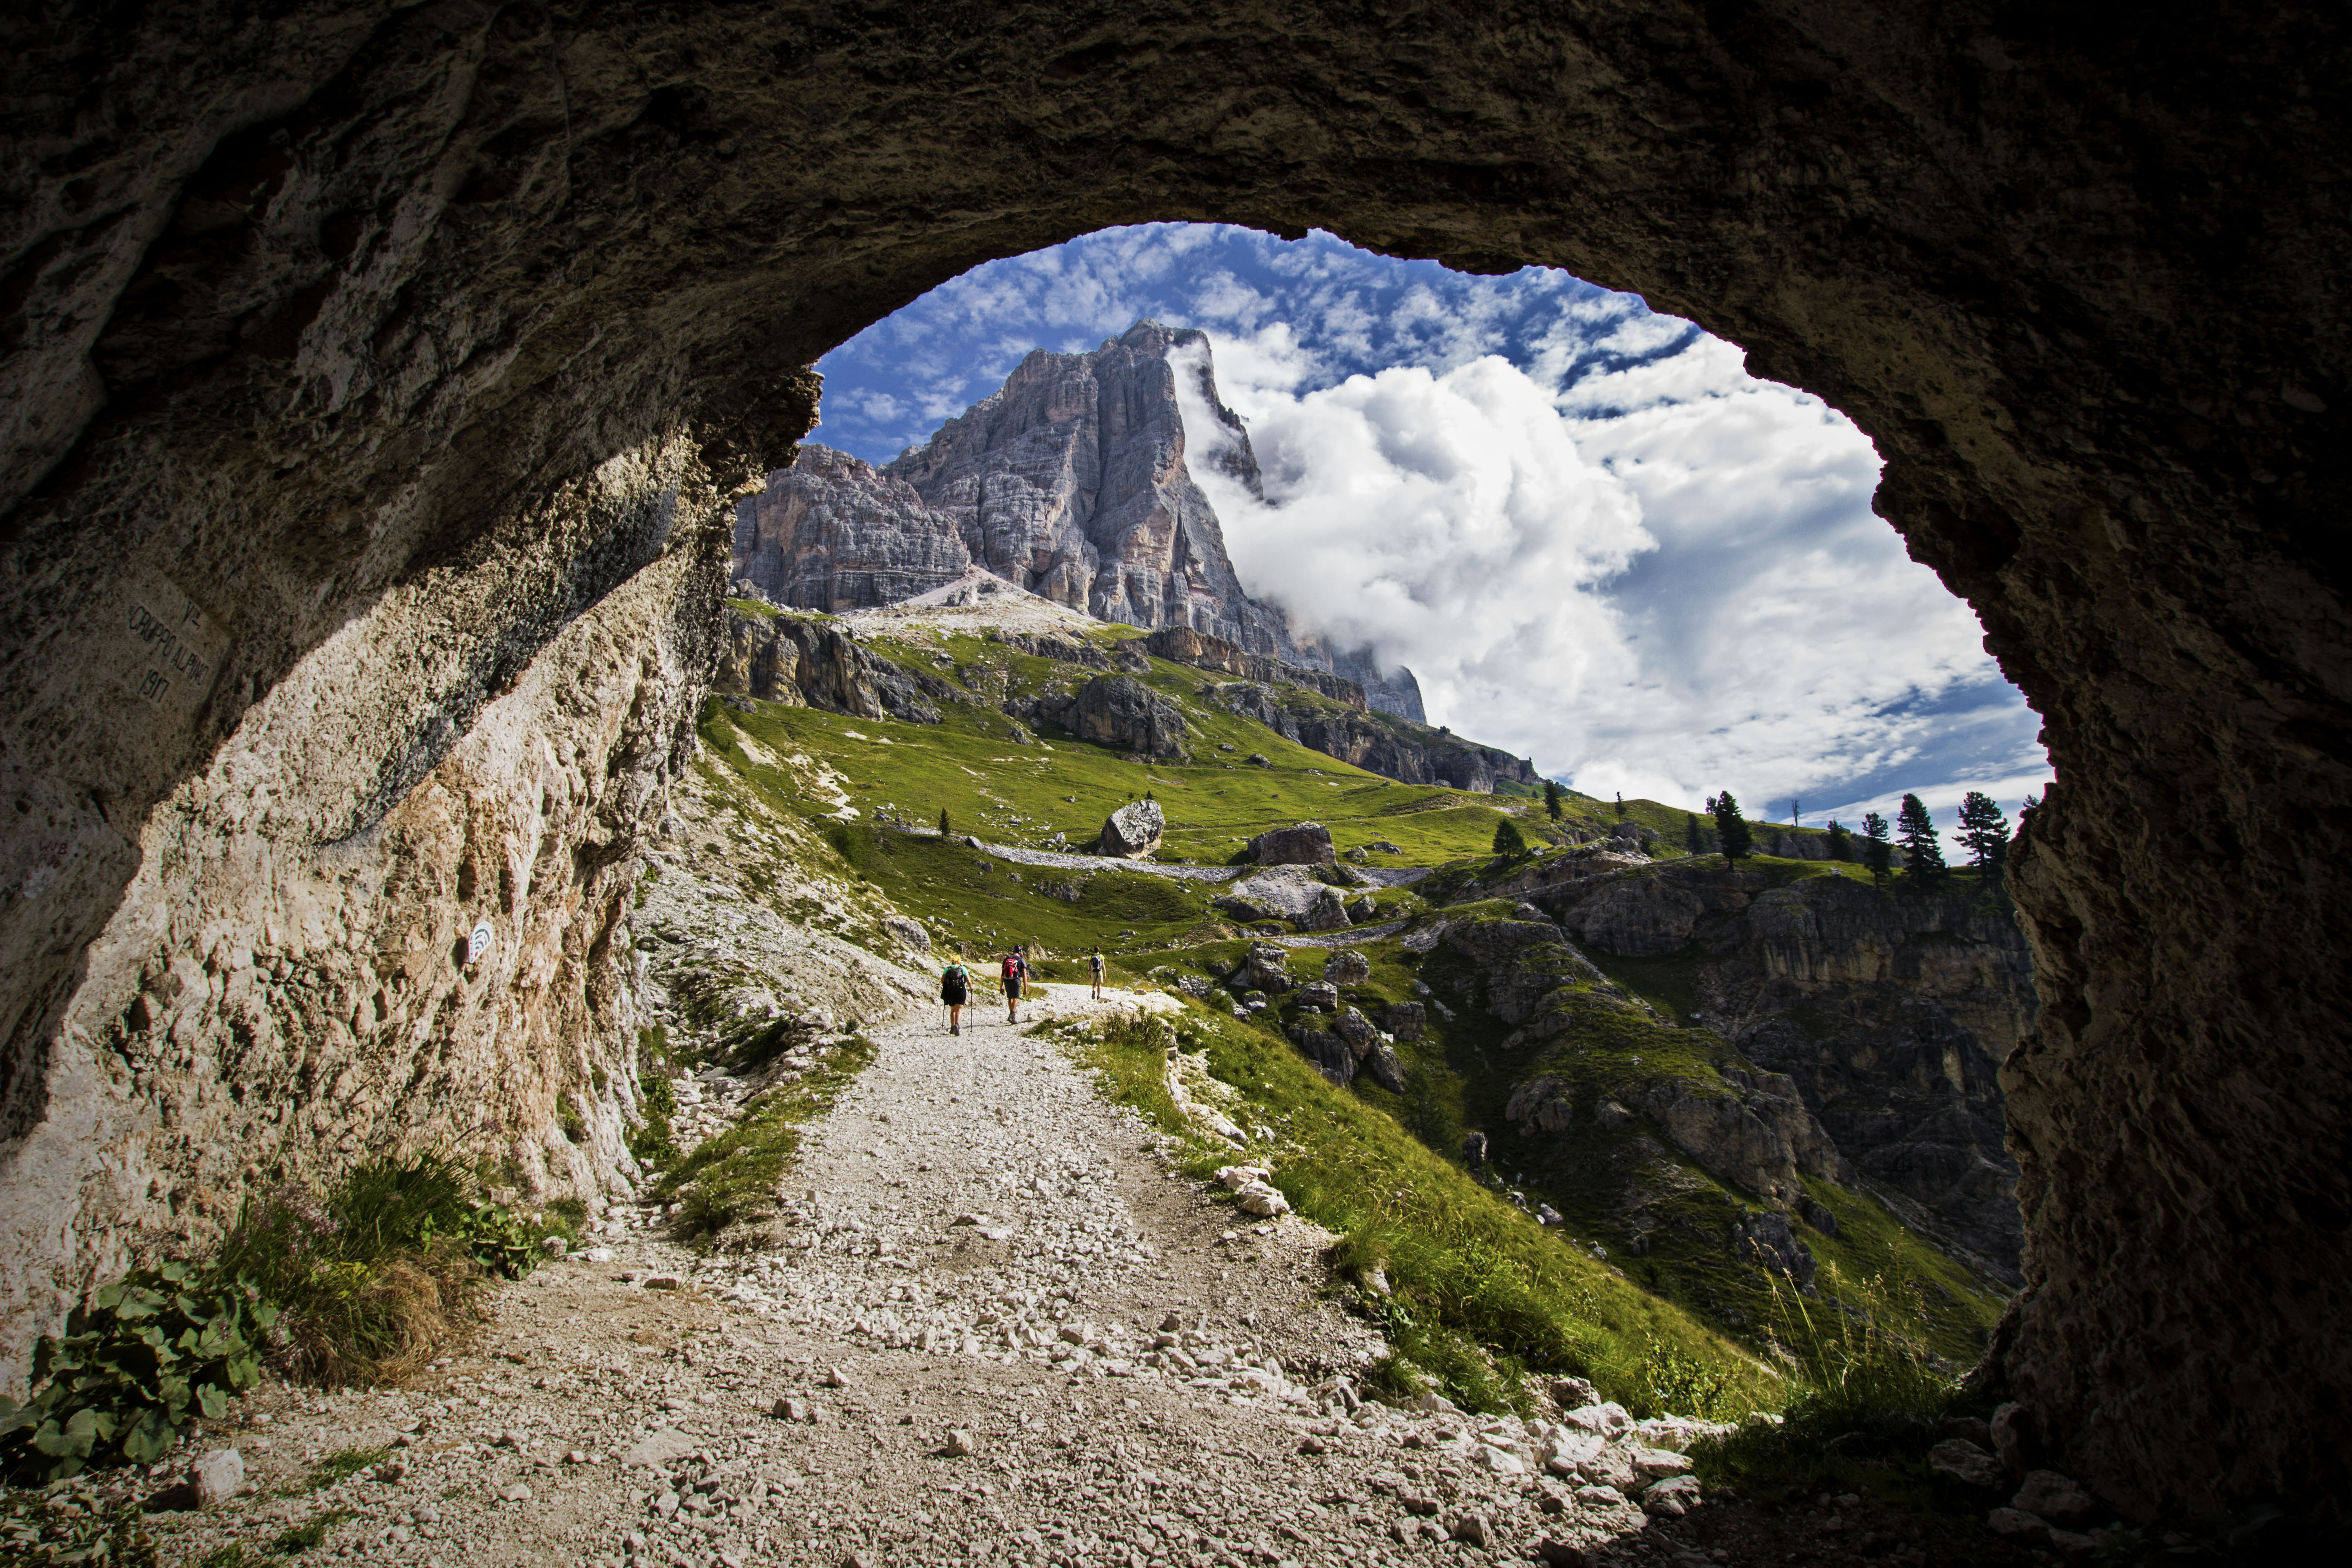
<point x="831" y="534"/>
<point x="800" y="659"/>
<point x="1890" y="1011"/>
<point x="1376" y="742"/>
<point x="290" y="981"/>
<point x="1071" y="481"/>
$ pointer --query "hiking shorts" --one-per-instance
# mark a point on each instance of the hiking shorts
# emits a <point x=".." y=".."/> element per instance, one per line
<point x="1012" y="989"/>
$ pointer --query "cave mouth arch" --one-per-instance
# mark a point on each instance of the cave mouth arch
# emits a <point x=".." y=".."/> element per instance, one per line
<point x="341" y="339"/>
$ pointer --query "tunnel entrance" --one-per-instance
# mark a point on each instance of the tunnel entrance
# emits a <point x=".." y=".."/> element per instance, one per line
<point x="399" y="368"/>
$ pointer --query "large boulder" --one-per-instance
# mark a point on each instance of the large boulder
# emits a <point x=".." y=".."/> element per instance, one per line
<point x="1346" y="966"/>
<point x="1753" y="1130"/>
<point x="1329" y="1053"/>
<point x="1381" y="1064"/>
<point x="1288" y="893"/>
<point x="1300" y="844"/>
<point x="1265" y="967"/>
<point x="1119" y="711"/>
<point x="1405" y="1020"/>
<point x="1133" y="830"/>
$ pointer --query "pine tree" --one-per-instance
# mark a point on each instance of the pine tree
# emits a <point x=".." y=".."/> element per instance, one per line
<point x="1507" y="842"/>
<point x="1877" y="853"/>
<point x="1730" y="831"/>
<point x="945" y="831"/>
<point x="1694" y="838"/>
<point x="1551" y="798"/>
<point x="1620" y="805"/>
<point x="1841" y="842"/>
<point x="1985" y="831"/>
<point x="1923" y="847"/>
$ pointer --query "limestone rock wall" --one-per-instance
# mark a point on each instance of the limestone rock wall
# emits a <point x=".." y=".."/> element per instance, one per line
<point x="279" y="994"/>
<point x="1892" y="1012"/>
<point x="831" y="534"/>
<point x="1070" y="481"/>
<point x="306" y="303"/>
<point x="805" y="660"/>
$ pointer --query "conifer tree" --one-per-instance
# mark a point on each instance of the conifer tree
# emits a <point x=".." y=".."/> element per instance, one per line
<point x="1551" y="798"/>
<point x="1620" y="805"/>
<point x="1985" y="831"/>
<point x="1507" y="841"/>
<point x="1694" y="838"/>
<point x="945" y="831"/>
<point x="1923" y="849"/>
<point x="1841" y="842"/>
<point x="1730" y="831"/>
<point x="1877" y="853"/>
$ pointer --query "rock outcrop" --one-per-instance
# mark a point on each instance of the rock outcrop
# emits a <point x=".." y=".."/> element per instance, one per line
<point x="1115" y="710"/>
<point x="1287" y="893"/>
<point x="806" y="660"/>
<point x="831" y="534"/>
<point x="325" y="316"/>
<point x="1376" y="742"/>
<point x="1890" y="1011"/>
<point x="1183" y="645"/>
<point x="1070" y="481"/>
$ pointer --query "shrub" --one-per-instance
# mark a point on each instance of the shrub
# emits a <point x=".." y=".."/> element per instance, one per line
<point x="145" y="1356"/>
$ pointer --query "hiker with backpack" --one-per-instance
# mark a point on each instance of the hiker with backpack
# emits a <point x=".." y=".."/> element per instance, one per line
<point x="955" y="990"/>
<point x="1095" y="963"/>
<point x="1016" y="971"/>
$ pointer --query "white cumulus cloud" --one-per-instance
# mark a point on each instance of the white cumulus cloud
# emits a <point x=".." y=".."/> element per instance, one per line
<point x="1661" y="578"/>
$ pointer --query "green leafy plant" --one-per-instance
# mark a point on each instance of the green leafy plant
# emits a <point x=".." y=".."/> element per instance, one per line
<point x="144" y="1357"/>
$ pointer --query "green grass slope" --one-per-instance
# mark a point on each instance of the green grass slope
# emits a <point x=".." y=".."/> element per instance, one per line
<point x="1640" y="1288"/>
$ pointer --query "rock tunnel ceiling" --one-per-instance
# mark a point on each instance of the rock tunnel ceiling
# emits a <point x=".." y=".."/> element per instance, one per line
<point x="375" y="375"/>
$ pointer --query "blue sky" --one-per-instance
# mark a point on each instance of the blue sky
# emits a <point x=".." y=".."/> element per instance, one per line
<point x="1595" y="539"/>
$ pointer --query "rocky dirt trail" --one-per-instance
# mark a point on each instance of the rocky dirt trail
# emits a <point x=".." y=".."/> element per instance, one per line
<point x="993" y="1326"/>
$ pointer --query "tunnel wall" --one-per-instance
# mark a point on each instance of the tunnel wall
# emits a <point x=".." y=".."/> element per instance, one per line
<point x="318" y="315"/>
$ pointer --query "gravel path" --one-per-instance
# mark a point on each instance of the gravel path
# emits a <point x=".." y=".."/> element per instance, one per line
<point x="992" y="1326"/>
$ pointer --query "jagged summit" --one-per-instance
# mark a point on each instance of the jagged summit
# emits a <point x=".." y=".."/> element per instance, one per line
<point x="1071" y="482"/>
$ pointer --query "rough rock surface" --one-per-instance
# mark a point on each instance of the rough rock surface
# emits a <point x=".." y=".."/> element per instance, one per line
<point x="1183" y="645"/>
<point x="255" y="1015"/>
<point x="1287" y="893"/>
<point x="1300" y="844"/>
<point x="1377" y="742"/>
<point x="1133" y="830"/>
<point x="1070" y="481"/>
<point x="315" y="311"/>
<point x="1115" y="710"/>
<point x="831" y="534"/>
<point x="807" y="660"/>
<point x="1891" y="1012"/>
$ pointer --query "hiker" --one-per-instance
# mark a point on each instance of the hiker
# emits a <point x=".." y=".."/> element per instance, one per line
<point x="955" y="989"/>
<point x="1095" y="962"/>
<point x="1016" y="971"/>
